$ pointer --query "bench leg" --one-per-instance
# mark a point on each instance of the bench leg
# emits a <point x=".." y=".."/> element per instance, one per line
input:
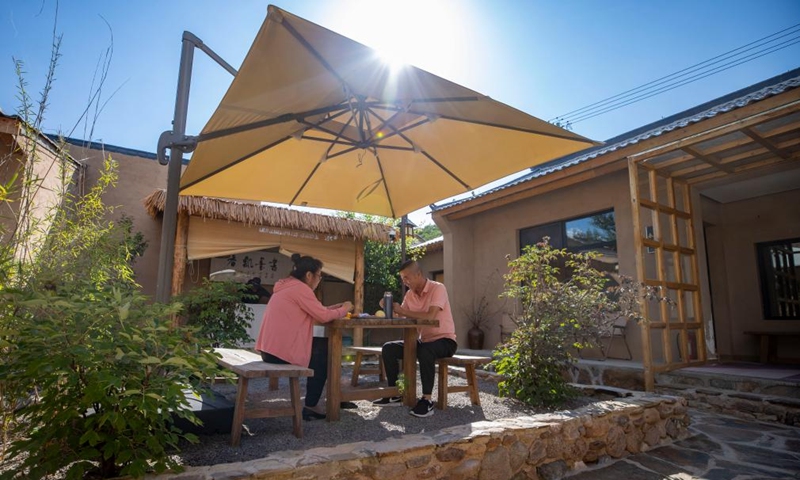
<point x="472" y="381"/>
<point x="441" y="403"/>
<point x="238" y="412"/>
<point x="356" y="369"/>
<point x="297" y="419"/>
<point x="765" y="348"/>
<point x="273" y="383"/>
<point x="381" y="370"/>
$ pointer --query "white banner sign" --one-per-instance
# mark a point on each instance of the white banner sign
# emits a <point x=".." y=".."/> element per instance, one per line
<point x="269" y="266"/>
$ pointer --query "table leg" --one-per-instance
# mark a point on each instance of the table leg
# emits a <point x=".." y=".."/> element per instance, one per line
<point x="410" y="365"/>
<point x="334" y="374"/>
<point x="765" y="348"/>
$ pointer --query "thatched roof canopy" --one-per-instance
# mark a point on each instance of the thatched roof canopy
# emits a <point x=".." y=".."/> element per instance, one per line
<point x="255" y="214"/>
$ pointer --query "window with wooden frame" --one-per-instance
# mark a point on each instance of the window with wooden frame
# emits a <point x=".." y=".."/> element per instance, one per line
<point x="596" y="232"/>
<point x="779" y="271"/>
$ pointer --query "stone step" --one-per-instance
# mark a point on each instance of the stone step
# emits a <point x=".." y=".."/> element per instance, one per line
<point x="749" y="405"/>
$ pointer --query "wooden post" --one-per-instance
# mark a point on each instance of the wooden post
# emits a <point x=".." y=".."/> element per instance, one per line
<point x="181" y="253"/>
<point x="358" y="292"/>
<point x="647" y="354"/>
<point x="181" y="258"/>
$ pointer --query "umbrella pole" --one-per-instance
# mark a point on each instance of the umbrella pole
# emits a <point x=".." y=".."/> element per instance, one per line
<point x="170" y="221"/>
<point x="177" y="143"/>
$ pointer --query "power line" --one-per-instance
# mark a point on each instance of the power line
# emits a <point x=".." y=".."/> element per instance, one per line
<point x="686" y="81"/>
<point x="641" y="92"/>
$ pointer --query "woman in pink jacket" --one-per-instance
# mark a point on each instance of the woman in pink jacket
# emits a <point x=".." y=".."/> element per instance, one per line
<point x="286" y="332"/>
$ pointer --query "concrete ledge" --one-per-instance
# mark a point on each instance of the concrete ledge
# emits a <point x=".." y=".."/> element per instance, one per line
<point x="546" y="446"/>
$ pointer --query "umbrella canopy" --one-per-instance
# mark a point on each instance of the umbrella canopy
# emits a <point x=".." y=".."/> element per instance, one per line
<point x="315" y="119"/>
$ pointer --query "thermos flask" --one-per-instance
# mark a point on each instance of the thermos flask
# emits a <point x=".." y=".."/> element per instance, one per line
<point x="387" y="304"/>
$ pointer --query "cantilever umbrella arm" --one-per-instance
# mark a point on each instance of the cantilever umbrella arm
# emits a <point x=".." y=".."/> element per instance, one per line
<point x="178" y="144"/>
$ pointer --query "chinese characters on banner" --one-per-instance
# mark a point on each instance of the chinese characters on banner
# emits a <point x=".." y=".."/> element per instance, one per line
<point x="269" y="266"/>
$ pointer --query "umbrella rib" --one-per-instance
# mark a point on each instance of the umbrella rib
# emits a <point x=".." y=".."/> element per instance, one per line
<point x="427" y="155"/>
<point x="314" y="52"/>
<point x="286" y="117"/>
<point x="327" y="140"/>
<point x="316" y="167"/>
<point x="237" y="161"/>
<point x="508" y="127"/>
<point x="328" y="131"/>
<point x="383" y="180"/>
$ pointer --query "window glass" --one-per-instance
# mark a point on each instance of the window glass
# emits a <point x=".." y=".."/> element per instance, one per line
<point x="534" y="235"/>
<point x="592" y="233"/>
<point x="779" y="269"/>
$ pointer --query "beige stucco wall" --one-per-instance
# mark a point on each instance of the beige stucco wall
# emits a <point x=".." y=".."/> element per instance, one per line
<point x="476" y="246"/>
<point x="138" y="178"/>
<point x="431" y="263"/>
<point x="733" y="229"/>
<point x="43" y="176"/>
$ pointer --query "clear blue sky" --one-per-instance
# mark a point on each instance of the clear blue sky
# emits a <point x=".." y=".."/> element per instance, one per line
<point x="543" y="57"/>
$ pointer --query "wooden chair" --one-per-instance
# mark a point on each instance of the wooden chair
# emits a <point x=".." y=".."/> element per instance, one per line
<point x="249" y="365"/>
<point x="361" y="352"/>
<point x="469" y="363"/>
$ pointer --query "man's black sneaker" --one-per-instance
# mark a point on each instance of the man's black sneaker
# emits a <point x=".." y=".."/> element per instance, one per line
<point x="388" y="402"/>
<point x="424" y="408"/>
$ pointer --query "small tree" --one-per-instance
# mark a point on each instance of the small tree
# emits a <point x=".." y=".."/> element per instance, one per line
<point x="217" y="311"/>
<point x="553" y="318"/>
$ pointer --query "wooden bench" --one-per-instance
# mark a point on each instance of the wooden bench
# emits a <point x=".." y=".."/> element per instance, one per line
<point x="249" y="365"/>
<point x="362" y="352"/>
<point x="468" y="362"/>
<point x="769" y="344"/>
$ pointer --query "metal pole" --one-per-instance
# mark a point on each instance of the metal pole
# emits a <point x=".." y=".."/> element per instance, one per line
<point x="166" y="256"/>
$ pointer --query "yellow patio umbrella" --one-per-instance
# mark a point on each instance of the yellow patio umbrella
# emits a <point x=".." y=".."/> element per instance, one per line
<point x="315" y="119"/>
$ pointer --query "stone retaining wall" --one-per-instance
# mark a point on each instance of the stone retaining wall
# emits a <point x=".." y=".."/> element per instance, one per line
<point x="752" y="406"/>
<point x="542" y="447"/>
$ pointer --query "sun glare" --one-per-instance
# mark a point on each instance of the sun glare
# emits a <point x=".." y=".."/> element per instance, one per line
<point x="425" y="33"/>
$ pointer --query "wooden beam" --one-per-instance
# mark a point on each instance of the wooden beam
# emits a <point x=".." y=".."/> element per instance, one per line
<point x="765" y="143"/>
<point x="638" y="247"/>
<point x="742" y="122"/>
<point x="358" y="292"/>
<point x="709" y="159"/>
<point x="755" y="113"/>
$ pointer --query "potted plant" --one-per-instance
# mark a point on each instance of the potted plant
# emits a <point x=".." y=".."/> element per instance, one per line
<point x="480" y="316"/>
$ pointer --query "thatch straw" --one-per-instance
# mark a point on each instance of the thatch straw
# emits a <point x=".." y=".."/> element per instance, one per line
<point x="255" y="214"/>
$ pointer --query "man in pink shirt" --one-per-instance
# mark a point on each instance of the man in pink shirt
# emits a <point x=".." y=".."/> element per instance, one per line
<point x="425" y="300"/>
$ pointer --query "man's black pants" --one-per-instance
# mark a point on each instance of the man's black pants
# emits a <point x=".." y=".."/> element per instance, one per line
<point x="427" y="354"/>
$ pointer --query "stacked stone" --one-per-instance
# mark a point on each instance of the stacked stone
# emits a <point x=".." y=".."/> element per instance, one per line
<point x="540" y="447"/>
<point x="751" y="406"/>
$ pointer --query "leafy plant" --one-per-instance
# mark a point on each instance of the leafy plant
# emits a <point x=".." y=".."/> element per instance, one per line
<point x="217" y="311"/>
<point x="401" y="384"/>
<point x="382" y="263"/>
<point x="109" y="373"/>
<point x="553" y="318"/>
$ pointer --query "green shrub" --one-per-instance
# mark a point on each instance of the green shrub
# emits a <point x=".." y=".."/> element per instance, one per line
<point x="97" y="370"/>
<point x="554" y="317"/>
<point x="217" y="311"/>
<point x="108" y="372"/>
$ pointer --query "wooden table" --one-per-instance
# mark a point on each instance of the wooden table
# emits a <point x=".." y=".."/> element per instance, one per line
<point x="410" y="334"/>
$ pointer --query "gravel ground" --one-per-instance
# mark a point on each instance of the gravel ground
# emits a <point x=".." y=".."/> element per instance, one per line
<point x="367" y="423"/>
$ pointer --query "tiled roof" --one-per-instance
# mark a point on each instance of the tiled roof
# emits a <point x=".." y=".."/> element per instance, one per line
<point x="109" y="148"/>
<point x="724" y="104"/>
<point x="432" y="244"/>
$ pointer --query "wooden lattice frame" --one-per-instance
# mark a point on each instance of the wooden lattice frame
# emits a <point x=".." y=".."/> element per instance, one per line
<point x="666" y="243"/>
